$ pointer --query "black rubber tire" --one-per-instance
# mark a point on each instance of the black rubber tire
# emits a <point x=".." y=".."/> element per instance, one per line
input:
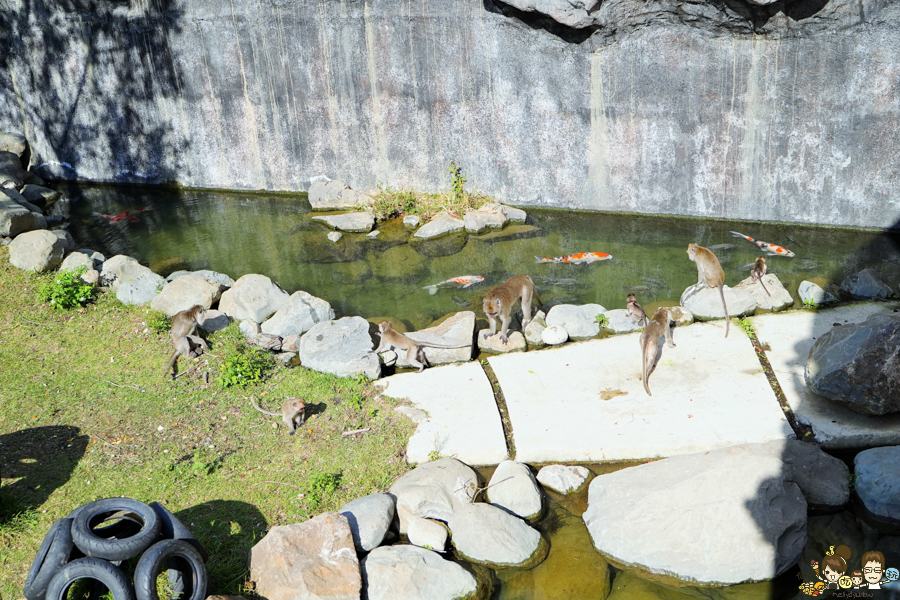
<point x="175" y="555"/>
<point x="55" y="551"/>
<point x="125" y="527"/>
<point x="94" y="545"/>
<point x="172" y="528"/>
<point x="90" y="568"/>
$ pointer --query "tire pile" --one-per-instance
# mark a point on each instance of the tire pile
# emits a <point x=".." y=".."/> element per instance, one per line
<point x="76" y="549"/>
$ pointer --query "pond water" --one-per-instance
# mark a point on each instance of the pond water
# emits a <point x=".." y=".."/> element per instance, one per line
<point x="240" y="233"/>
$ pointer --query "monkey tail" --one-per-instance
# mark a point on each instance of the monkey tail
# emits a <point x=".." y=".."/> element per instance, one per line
<point x="265" y="412"/>
<point x="764" y="286"/>
<point x="644" y="365"/>
<point x="171" y="364"/>
<point x="727" y="319"/>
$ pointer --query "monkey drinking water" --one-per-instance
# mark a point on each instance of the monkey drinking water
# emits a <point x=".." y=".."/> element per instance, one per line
<point x="636" y="311"/>
<point x="415" y="353"/>
<point x="658" y="325"/>
<point x="292" y="409"/>
<point x="709" y="274"/>
<point x="184" y="335"/>
<point x="500" y="301"/>
<point x="759" y="269"/>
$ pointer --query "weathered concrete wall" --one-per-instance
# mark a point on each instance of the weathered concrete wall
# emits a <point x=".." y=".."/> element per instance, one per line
<point x="683" y="109"/>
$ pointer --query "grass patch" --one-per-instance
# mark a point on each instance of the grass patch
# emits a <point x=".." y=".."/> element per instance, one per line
<point x="87" y="414"/>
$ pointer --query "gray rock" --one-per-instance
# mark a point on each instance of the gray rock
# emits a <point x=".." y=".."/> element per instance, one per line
<point x="458" y="329"/>
<point x="411" y="221"/>
<point x="14" y="196"/>
<point x="139" y="290"/>
<point x="66" y="238"/>
<point x="486" y="534"/>
<point x="370" y="518"/>
<point x="212" y="276"/>
<point x="515" y="215"/>
<point x="40" y="222"/>
<point x="810" y="293"/>
<point x="302" y="311"/>
<point x="477" y="221"/>
<point x="95" y="256"/>
<point x="373" y="234"/>
<point x="858" y="364"/>
<point x="512" y="486"/>
<point x="39" y="195"/>
<point x="572" y="13"/>
<point x="11" y="173"/>
<point x="745" y="494"/>
<point x="266" y="341"/>
<point x="707" y="303"/>
<point x="185" y="292"/>
<point x="352" y="222"/>
<point x="75" y="260"/>
<point x="120" y="269"/>
<point x="334" y="237"/>
<point x="554" y="335"/>
<point x="288" y="359"/>
<point x="535" y="328"/>
<point x="578" y="321"/>
<point x="515" y="341"/>
<point x="37" y="251"/>
<point x="779" y="299"/>
<point x="341" y="347"/>
<point x="291" y="343"/>
<point x="865" y="285"/>
<point x="416" y="415"/>
<point x="440" y="225"/>
<point x="336" y="194"/>
<point x="13" y="142"/>
<point x="15" y="219"/>
<point x="215" y="320"/>
<point x="563" y="478"/>
<point x="249" y="328"/>
<point x="427" y="533"/>
<point x="435" y="490"/>
<point x="679" y="315"/>
<point x="414" y="573"/>
<point x="253" y="297"/>
<point x="619" y="321"/>
<point x="877" y="481"/>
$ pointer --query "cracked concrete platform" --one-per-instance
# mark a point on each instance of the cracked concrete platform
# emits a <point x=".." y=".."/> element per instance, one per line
<point x="585" y="402"/>
<point x="790" y="336"/>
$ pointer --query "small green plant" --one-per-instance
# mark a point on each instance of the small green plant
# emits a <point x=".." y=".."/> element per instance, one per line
<point x="602" y="319"/>
<point x="435" y="455"/>
<point x="746" y="326"/>
<point x="456" y="181"/>
<point x="244" y="365"/>
<point x="158" y="321"/>
<point x="393" y="203"/>
<point x="810" y="304"/>
<point x="67" y="290"/>
<point x="321" y="485"/>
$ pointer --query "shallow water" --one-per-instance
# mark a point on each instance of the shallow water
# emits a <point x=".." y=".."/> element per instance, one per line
<point x="237" y="233"/>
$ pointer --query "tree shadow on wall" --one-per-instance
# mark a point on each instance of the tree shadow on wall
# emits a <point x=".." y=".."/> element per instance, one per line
<point x="92" y="80"/>
<point x="38" y="460"/>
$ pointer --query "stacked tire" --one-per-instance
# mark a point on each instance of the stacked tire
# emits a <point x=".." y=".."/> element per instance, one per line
<point x="76" y="548"/>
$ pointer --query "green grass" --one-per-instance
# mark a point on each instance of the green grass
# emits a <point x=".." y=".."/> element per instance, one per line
<point x="87" y="414"/>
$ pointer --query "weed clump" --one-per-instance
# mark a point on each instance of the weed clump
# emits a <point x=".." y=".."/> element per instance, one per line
<point x="158" y="321"/>
<point x="320" y="486"/>
<point x="67" y="290"/>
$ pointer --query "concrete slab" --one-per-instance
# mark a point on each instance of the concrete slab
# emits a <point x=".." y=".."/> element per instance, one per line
<point x="790" y="336"/>
<point x="585" y="401"/>
<point x="463" y="420"/>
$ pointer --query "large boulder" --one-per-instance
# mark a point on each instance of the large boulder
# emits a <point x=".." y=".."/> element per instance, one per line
<point x="775" y="300"/>
<point x="353" y="222"/>
<point x="185" y="292"/>
<point x="336" y="194"/>
<point x="477" y="221"/>
<point x="865" y="285"/>
<point x="141" y="290"/>
<point x="458" y="330"/>
<point x="707" y="303"/>
<point x="434" y="490"/>
<point x="132" y="282"/>
<point x="341" y="347"/>
<point x="750" y="509"/>
<point x="39" y="195"/>
<point x="579" y="321"/>
<point x="858" y="364"/>
<point x="37" y="251"/>
<point x="877" y="481"/>
<point x="298" y="315"/>
<point x="307" y="561"/>
<point x="13" y="142"/>
<point x="11" y="173"/>
<point x="535" y="328"/>
<point x="810" y="293"/>
<point x="565" y="479"/>
<point x="413" y="573"/>
<point x="370" y="518"/>
<point x="440" y="225"/>
<point x="512" y="486"/>
<point x="486" y="534"/>
<point x="16" y="219"/>
<point x="212" y="276"/>
<point x="619" y="320"/>
<point x="253" y="297"/>
<point x="554" y="335"/>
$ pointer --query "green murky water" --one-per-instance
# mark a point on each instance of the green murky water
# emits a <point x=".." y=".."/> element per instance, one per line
<point x="273" y="235"/>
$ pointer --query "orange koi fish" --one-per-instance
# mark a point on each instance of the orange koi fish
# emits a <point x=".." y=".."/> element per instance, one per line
<point x="771" y="249"/>
<point x="581" y="257"/>
<point x="464" y="281"/>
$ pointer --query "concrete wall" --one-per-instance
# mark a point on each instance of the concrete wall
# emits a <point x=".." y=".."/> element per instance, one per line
<point x="721" y="114"/>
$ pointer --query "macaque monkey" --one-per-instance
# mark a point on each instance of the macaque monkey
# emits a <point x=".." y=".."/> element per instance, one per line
<point x="759" y="269"/>
<point x="636" y="311"/>
<point x="657" y="326"/>
<point x="183" y="334"/>
<point x="291" y="410"/>
<point x="415" y="353"/>
<point x="500" y="300"/>
<point x="709" y="274"/>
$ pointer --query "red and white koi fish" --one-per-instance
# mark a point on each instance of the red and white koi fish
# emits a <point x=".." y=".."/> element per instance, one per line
<point x="119" y="216"/>
<point x="133" y="219"/>
<point x="464" y="281"/>
<point x="581" y="257"/>
<point x="771" y="249"/>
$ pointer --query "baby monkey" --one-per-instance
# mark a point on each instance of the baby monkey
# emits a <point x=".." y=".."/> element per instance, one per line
<point x="709" y="274"/>
<point x="184" y="335"/>
<point x="500" y="300"/>
<point x="658" y="325"/>
<point x="291" y="410"/>
<point x="759" y="269"/>
<point x="415" y="353"/>
<point x="636" y="311"/>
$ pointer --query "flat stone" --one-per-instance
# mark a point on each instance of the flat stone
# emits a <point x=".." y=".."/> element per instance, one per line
<point x="779" y="299"/>
<point x="266" y="341"/>
<point x="298" y="315"/>
<point x="462" y="416"/>
<point x="486" y="534"/>
<point x="342" y="347"/>
<point x="427" y="533"/>
<point x="515" y="215"/>
<point x="353" y="222"/>
<point x="535" y="328"/>
<point x="554" y="335"/>
<point x="16" y="219"/>
<point x="458" y="329"/>
<point x="253" y="297"/>
<point x="877" y="481"/>
<point x="435" y="490"/>
<point x="185" y="292"/>
<point x="707" y="303"/>
<point x="608" y="416"/>
<point x="440" y="225"/>
<point x="373" y="234"/>
<point x="865" y="285"/>
<point x="478" y="221"/>
<point x="789" y="338"/>
<point x="515" y="341"/>
<point x="619" y="321"/>
<point x="513" y="487"/>
<point x="370" y="518"/>
<point x="508" y="233"/>
<point x="414" y="573"/>
<point x="564" y="479"/>
<point x="37" y="251"/>
<point x="810" y="293"/>
<point x="411" y="221"/>
<point x="579" y="321"/>
<point x="334" y="237"/>
<point x="212" y="276"/>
